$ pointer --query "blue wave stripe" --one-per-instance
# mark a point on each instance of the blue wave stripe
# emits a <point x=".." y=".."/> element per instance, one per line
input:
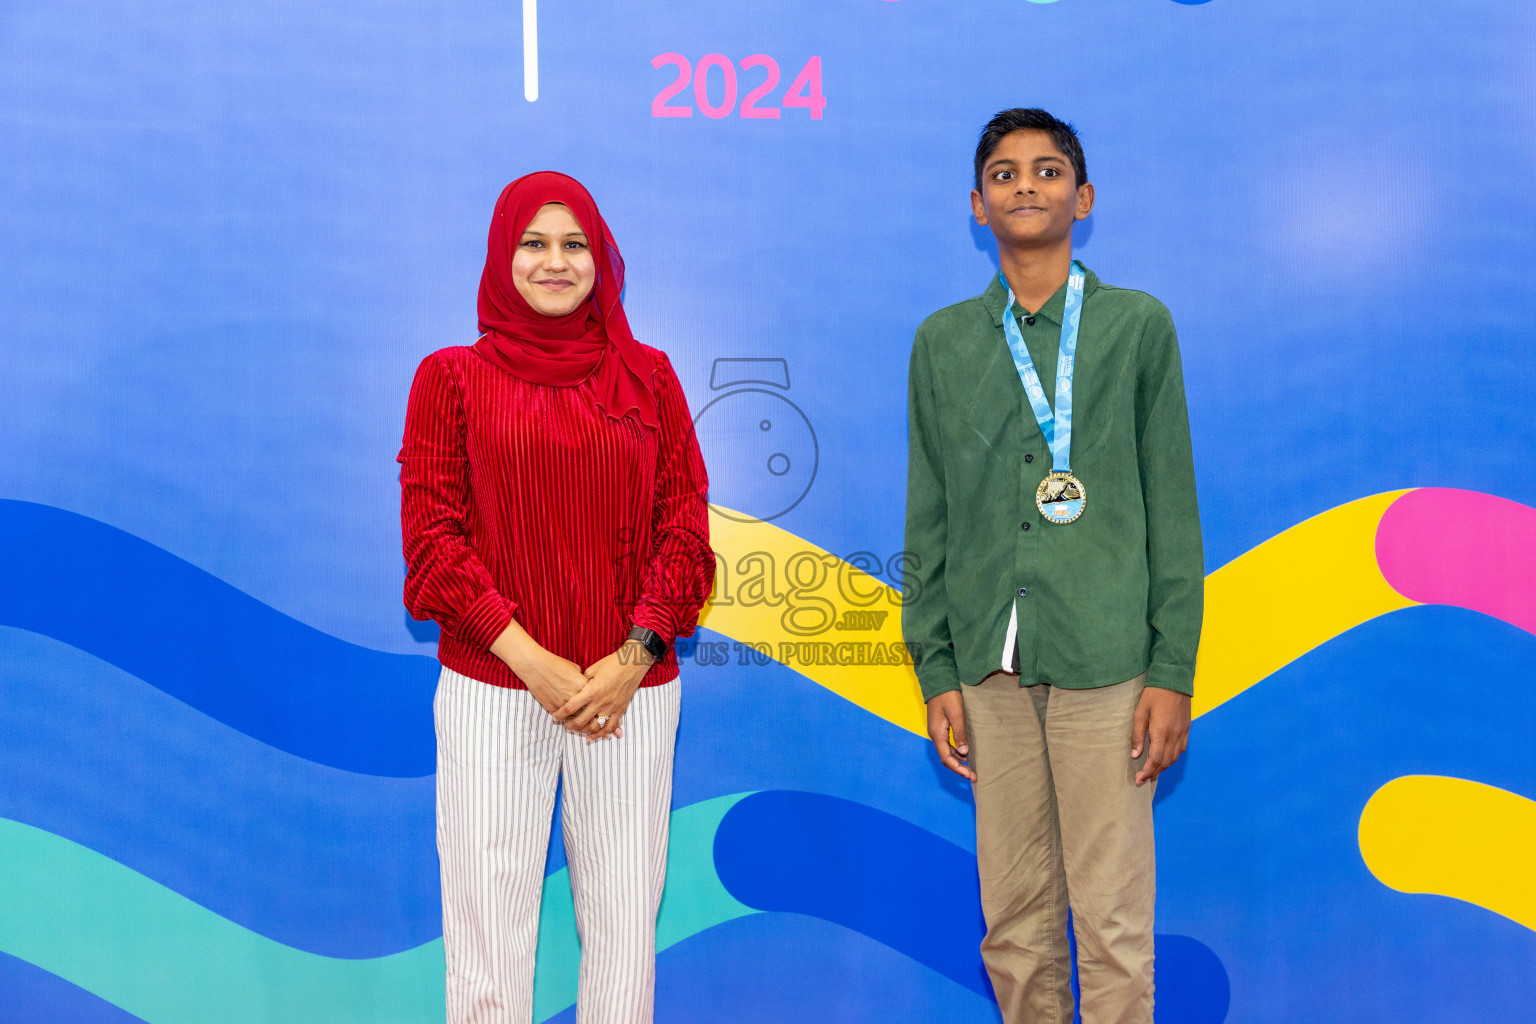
<point x="843" y="862"/>
<point x="213" y="646"/>
<point x="907" y="888"/>
<point x="327" y="861"/>
<point x="777" y="968"/>
<point x="30" y="995"/>
<point x="877" y="764"/>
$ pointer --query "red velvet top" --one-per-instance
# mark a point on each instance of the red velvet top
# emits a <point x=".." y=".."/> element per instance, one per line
<point x="526" y="500"/>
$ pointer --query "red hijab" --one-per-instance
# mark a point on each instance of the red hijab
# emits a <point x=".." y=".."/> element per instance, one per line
<point x="562" y="351"/>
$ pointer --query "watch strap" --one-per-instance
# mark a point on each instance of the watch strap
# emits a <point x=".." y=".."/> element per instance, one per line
<point x="651" y="640"/>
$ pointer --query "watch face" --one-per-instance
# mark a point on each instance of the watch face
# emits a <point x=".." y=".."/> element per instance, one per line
<point x="651" y="640"/>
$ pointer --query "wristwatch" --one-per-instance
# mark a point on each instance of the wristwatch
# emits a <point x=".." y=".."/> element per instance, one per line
<point x="651" y="640"/>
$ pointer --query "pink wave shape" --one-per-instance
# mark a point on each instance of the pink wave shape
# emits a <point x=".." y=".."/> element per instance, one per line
<point x="1462" y="548"/>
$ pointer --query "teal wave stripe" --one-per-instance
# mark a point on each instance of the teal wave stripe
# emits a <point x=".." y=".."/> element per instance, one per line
<point x="163" y="958"/>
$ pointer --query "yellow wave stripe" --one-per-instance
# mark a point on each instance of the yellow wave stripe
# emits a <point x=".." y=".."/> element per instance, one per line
<point x="773" y="588"/>
<point x="1263" y="610"/>
<point x="1453" y="837"/>
<point x="1292" y="593"/>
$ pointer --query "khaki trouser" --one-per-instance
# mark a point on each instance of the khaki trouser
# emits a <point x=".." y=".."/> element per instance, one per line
<point x="1058" y="812"/>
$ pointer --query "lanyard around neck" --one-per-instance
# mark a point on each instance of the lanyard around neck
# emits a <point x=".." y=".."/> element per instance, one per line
<point x="1057" y="426"/>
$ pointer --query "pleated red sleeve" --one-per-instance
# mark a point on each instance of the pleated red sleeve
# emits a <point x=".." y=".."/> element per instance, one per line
<point x="680" y="571"/>
<point x="445" y="579"/>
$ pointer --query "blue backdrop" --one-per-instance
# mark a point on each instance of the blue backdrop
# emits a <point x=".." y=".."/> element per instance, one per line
<point x="228" y="233"/>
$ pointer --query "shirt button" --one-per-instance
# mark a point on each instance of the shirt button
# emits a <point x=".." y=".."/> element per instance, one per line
<point x="1023" y="591"/>
<point x="1029" y="458"/>
<point x="1030" y="320"/>
<point x="1024" y="526"/>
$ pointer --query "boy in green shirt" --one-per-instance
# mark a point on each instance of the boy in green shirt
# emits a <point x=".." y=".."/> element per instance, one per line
<point x="1059" y="583"/>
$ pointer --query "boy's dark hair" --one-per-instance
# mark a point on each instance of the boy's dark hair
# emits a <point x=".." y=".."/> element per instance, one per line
<point x="1031" y="119"/>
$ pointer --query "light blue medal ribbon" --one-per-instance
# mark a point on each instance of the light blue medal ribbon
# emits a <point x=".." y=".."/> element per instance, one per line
<point x="1061" y="497"/>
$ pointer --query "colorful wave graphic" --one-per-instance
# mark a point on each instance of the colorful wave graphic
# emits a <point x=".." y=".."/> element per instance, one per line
<point x="1260" y="849"/>
<point x="305" y="819"/>
<point x="179" y="628"/>
<point x="289" y="848"/>
<point x="87" y="919"/>
<point x="1266" y="608"/>
<point x="111" y="931"/>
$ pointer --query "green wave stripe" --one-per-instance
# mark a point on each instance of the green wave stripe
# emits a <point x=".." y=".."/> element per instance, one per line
<point x="158" y="955"/>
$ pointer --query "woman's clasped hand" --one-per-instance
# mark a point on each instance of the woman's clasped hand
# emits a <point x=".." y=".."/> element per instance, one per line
<point x="591" y="702"/>
<point x="598" y="707"/>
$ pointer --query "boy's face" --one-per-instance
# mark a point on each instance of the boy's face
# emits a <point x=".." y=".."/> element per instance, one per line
<point x="1029" y="195"/>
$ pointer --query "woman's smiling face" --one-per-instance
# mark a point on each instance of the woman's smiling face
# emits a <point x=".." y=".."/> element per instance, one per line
<point x="552" y="266"/>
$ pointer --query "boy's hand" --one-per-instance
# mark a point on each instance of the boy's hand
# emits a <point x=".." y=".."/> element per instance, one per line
<point x="946" y="714"/>
<point x="1161" y="722"/>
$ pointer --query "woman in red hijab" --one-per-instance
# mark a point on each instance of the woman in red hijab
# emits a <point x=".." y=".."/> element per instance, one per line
<point x="553" y="512"/>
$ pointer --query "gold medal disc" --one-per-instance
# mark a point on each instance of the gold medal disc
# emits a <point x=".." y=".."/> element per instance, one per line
<point x="1060" y="498"/>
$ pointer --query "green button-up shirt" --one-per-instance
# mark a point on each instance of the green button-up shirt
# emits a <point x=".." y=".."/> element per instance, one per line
<point x="1097" y="601"/>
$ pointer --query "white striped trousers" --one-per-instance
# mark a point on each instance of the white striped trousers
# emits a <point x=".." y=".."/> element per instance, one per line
<point x="499" y="757"/>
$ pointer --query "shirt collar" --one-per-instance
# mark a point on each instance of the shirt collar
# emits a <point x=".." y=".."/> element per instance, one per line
<point x="997" y="293"/>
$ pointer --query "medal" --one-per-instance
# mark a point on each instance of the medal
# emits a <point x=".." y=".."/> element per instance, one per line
<point x="1060" y="497"/>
